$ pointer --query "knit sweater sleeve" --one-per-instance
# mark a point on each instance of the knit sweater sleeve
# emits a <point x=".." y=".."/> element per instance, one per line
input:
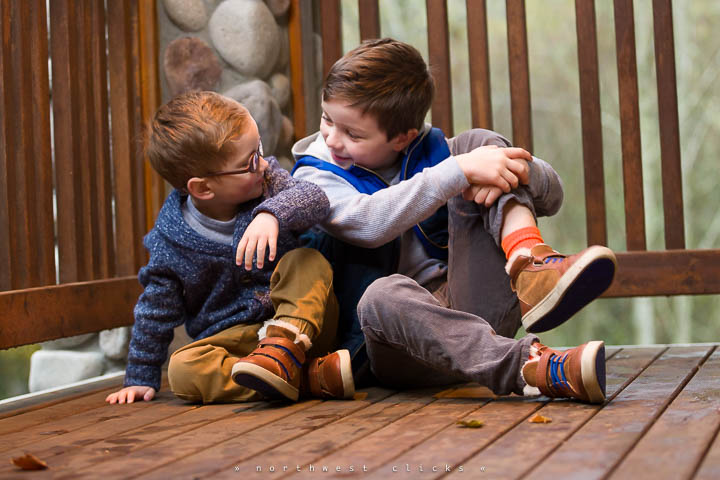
<point x="158" y="311"/>
<point x="373" y="220"/>
<point x="297" y="204"/>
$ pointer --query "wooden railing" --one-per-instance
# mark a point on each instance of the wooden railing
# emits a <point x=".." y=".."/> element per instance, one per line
<point x="71" y="136"/>
<point x="675" y="270"/>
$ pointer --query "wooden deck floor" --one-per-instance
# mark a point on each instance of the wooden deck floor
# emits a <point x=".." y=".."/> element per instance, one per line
<point x="661" y="421"/>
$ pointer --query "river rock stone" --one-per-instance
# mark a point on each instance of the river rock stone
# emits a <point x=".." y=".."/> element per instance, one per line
<point x="257" y="97"/>
<point x="55" y="368"/>
<point x="245" y="34"/>
<point x="114" y="343"/>
<point x="190" y="64"/>
<point x="280" y="86"/>
<point x="278" y="7"/>
<point x="287" y="133"/>
<point x="69" y="342"/>
<point x="189" y="15"/>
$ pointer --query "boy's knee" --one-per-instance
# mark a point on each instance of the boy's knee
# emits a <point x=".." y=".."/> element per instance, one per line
<point x="474" y="138"/>
<point x="306" y="260"/>
<point x="181" y="375"/>
<point x="381" y="293"/>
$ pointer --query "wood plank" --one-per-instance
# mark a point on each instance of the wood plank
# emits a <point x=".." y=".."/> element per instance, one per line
<point x="21" y="168"/>
<point x="106" y="422"/>
<point x="478" y="51"/>
<point x="5" y="152"/>
<point x="630" y="124"/>
<point x="439" y="59"/>
<point x="519" y="74"/>
<point x="85" y="143"/>
<point x="65" y="120"/>
<point x="709" y="469"/>
<point x="331" y="32"/>
<point x="123" y="127"/>
<point x="135" y="149"/>
<point x="669" y="124"/>
<point x="672" y="272"/>
<point x="591" y="122"/>
<point x="298" y="76"/>
<point x="42" y="154"/>
<point x="150" y="101"/>
<point x="381" y="446"/>
<point x="369" y="14"/>
<point x="354" y="430"/>
<point x="114" y="447"/>
<point x="104" y="241"/>
<point x="509" y="457"/>
<point x="603" y="441"/>
<point x="75" y="308"/>
<point x="209" y="449"/>
<point x="51" y="411"/>
<point x="679" y="439"/>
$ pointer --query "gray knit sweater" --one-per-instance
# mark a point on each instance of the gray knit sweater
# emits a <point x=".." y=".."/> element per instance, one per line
<point x="193" y="280"/>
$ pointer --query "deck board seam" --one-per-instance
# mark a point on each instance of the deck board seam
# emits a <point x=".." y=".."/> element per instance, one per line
<point x="689" y="376"/>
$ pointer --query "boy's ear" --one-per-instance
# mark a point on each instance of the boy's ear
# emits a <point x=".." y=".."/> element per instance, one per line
<point x="199" y="188"/>
<point x="402" y="140"/>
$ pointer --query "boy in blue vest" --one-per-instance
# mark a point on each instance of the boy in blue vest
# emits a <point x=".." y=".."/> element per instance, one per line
<point x="438" y="237"/>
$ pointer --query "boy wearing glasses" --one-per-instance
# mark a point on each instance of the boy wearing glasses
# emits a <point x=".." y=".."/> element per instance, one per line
<point x="254" y="320"/>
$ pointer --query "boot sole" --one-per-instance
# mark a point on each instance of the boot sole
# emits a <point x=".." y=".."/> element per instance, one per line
<point x="592" y="364"/>
<point x="346" y="374"/>
<point x="583" y="282"/>
<point x="266" y="383"/>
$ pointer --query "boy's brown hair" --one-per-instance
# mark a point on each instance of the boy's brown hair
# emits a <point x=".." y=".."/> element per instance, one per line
<point x="386" y="78"/>
<point x="190" y="135"/>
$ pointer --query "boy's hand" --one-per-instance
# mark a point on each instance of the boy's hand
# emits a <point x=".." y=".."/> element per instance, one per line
<point x="261" y="233"/>
<point x="487" y="195"/>
<point x="129" y="394"/>
<point x="491" y="166"/>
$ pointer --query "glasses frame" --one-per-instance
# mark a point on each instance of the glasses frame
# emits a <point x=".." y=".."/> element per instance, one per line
<point x="251" y="168"/>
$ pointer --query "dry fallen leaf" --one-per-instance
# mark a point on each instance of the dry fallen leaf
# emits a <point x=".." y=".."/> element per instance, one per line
<point x="360" y="396"/>
<point x="540" y="419"/>
<point x="29" y="462"/>
<point x="470" y="423"/>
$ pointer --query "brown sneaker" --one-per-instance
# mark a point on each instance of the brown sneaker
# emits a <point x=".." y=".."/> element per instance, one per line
<point x="329" y="377"/>
<point x="552" y="287"/>
<point x="575" y="373"/>
<point x="272" y="369"/>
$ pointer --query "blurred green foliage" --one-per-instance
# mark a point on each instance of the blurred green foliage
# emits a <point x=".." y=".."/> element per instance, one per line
<point x="14" y="370"/>
<point x="555" y="96"/>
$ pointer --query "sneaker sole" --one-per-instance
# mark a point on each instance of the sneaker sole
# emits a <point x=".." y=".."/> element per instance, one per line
<point x="346" y="374"/>
<point x="266" y="383"/>
<point x="583" y="282"/>
<point x="592" y="367"/>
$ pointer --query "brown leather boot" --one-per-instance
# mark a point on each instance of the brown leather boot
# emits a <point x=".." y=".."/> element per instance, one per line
<point x="328" y="377"/>
<point x="273" y="369"/>
<point x="552" y="287"/>
<point x="576" y="373"/>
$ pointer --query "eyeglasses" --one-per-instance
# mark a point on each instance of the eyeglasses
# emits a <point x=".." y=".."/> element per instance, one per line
<point x="252" y="165"/>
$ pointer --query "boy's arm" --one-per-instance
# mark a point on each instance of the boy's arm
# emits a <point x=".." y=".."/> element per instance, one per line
<point x="158" y="311"/>
<point x="296" y="204"/>
<point x="373" y="220"/>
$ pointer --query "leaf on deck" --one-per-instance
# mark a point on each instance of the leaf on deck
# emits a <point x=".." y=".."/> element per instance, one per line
<point x="360" y="396"/>
<point x="470" y="423"/>
<point x="29" y="462"/>
<point x="537" y="418"/>
<point x="471" y="390"/>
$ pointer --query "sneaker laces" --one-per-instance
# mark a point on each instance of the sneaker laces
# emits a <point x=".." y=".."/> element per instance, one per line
<point x="557" y="372"/>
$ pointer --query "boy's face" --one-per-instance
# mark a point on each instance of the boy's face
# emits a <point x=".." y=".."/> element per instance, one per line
<point x="355" y="138"/>
<point x="234" y="189"/>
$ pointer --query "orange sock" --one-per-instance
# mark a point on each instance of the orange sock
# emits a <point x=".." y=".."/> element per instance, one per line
<point x="526" y="237"/>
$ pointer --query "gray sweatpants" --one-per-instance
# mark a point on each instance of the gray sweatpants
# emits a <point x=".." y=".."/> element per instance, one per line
<point x="464" y="329"/>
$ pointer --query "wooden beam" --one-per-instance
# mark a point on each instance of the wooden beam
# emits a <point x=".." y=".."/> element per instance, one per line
<point x="478" y="51"/>
<point x="438" y="35"/>
<point x="519" y="74"/>
<point x="369" y="13"/>
<point x="45" y="313"/>
<point x="669" y="272"/>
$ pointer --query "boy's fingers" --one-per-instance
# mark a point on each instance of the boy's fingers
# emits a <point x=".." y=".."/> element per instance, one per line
<point x="272" y="242"/>
<point x="517" y="152"/>
<point x="149" y="395"/>
<point x="249" y="252"/>
<point x="131" y="396"/>
<point x="261" y="252"/>
<point x="240" y="254"/>
<point x="510" y="178"/>
<point x="493" y="194"/>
